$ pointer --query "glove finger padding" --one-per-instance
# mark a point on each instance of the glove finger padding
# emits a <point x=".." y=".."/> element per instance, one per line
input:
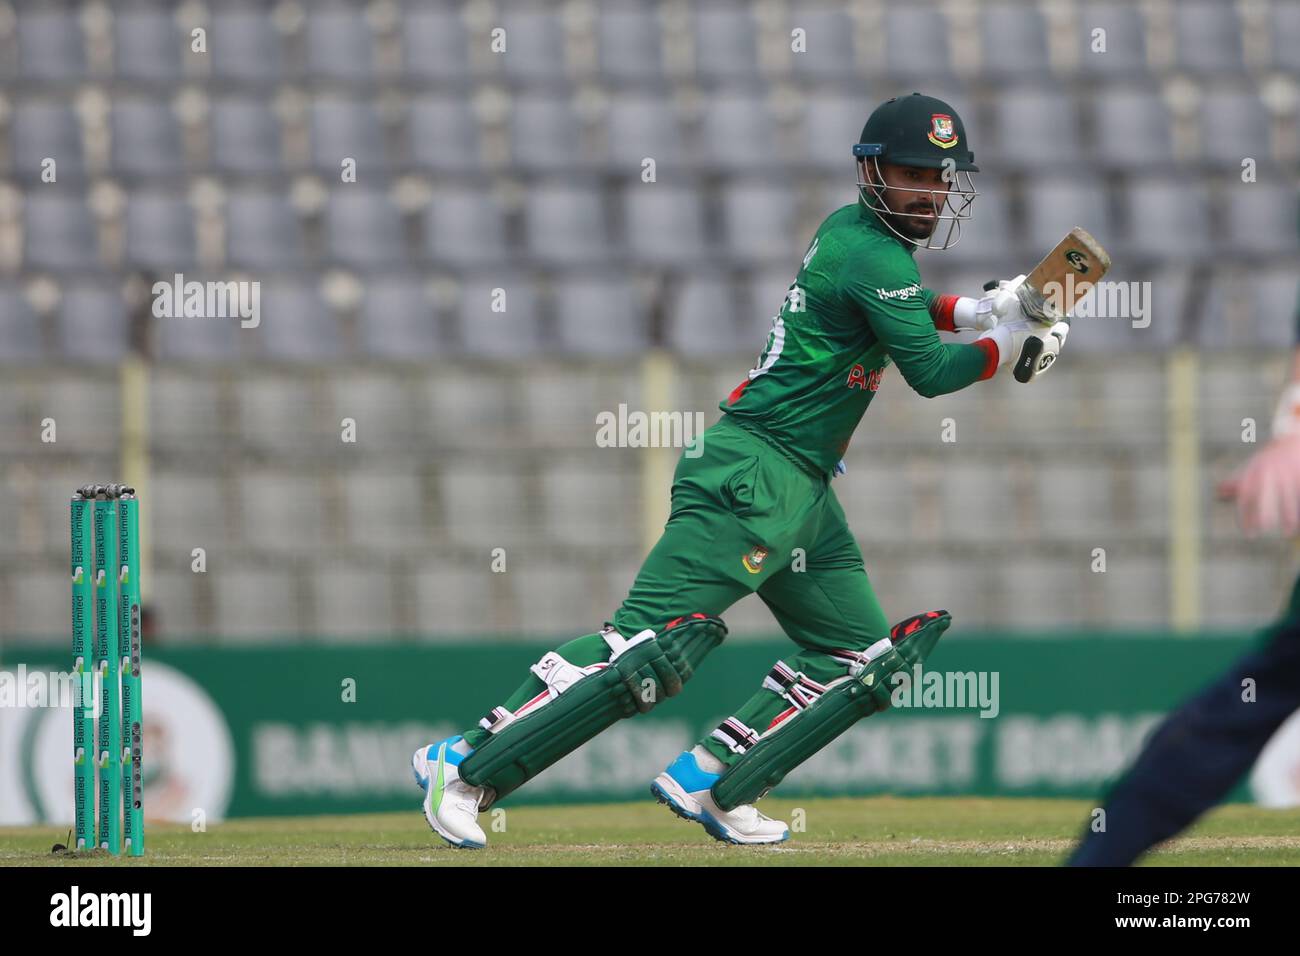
<point x="1039" y="352"/>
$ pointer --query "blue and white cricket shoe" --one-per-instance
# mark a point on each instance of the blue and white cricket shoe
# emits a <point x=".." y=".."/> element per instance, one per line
<point x="450" y="804"/>
<point x="684" y="787"/>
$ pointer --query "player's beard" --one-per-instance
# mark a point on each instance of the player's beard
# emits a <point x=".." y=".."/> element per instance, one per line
<point x="914" y="226"/>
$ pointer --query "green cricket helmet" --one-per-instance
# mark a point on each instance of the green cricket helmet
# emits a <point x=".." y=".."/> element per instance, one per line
<point x="926" y="132"/>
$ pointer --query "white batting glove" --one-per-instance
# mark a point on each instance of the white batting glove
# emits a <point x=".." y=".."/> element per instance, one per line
<point x="980" y="315"/>
<point x="1011" y="336"/>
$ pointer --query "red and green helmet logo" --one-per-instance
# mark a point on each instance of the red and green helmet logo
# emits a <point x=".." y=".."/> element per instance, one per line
<point x="942" y="131"/>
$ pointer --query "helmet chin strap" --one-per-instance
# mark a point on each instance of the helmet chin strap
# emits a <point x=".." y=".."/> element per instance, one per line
<point x="951" y="237"/>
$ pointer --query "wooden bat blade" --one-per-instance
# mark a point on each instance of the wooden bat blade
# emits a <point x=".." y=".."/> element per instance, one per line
<point x="1064" y="276"/>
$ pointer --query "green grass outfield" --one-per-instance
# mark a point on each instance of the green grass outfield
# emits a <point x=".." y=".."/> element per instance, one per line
<point x="880" y="831"/>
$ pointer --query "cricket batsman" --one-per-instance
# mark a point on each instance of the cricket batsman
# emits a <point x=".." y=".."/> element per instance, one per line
<point x="760" y="489"/>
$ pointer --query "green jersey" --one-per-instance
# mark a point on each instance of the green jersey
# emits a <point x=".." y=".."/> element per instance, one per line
<point x="856" y="307"/>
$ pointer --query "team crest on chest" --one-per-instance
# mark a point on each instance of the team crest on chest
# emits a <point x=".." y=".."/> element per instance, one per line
<point x="942" y="131"/>
<point x="754" y="560"/>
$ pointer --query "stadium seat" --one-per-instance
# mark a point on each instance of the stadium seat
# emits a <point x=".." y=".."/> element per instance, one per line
<point x="831" y="125"/>
<point x="22" y="338"/>
<point x="385" y="510"/>
<point x="1125" y="38"/>
<point x="263" y="230"/>
<point x="45" y="129"/>
<point x="483" y="504"/>
<point x="1259" y="218"/>
<point x="434" y="43"/>
<point x="1276" y="306"/>
<point x="257" y="604"/>
<point x="1239" y="591"/>
<point x="664" y="223"/>
<point x="1159" y="208"/>
<point x="726" y="41"/>
<point x="398" y="321"/>
<point x="916" y="43"/>
<point x="245" y="137"/>
<point x="1207" y="37"/>
<point x="535" y="44"/>
<point x="1067" y="580"/>
<point x="59" y="232"/>
<point x="1014" y="40"/>
<point x="599" y="316"/>
<point x="276" y="411"/>
<point x="353" y="602"/>
<point x="92" y="323"/>
<point x="1234" y="125"/>
<point x="283" y="512"/>
<point x="988" y="235"/>
<point x="554" y="598"/>
<point x="1285" y="30"/>
<point x="186" y="408"/>
<point x="1134" y="127"/>
<point x="50" y="44"/>
<point x="739" y="125"/>
<point x="160" y="232"/>
<point x="454" y="599"/>
<point x="380" y="403"/>
<point x="466" y="405"/>
<point x="146" y="138"/>
<point x="829" y="53"/>
<point x="1076" y="501"/>
<point x="343" y="127"/>
<point x="465" y="227"/>
<point x="1036" y="126"/>
<point x="295" y="324"/>
<point x="544" y="134"/>
<point x="444" y="134"/>
<point x="147" y="45"/>
<point x="641" y="125"/>
<point x="759" y="224"/>
<point x="998" y="506"/>
<point x="340" y="44"/>
<point x="181" y="527"/>
<point x="513" y="333"/>
<point x="363" y="228"/>
<point x="585" y="500"/>
<point x="1058" y="203"/>
<point x="628" y="42"/>
<point x="702" y="317"/>
<point x="197" y="339"/>
<point x="880" y="502"/>
<point x="566" y="224"/>
<point x="244" y="45"/>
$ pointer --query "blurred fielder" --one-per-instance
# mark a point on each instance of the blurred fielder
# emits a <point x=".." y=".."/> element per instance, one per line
<point x="760" y="490"/>
<point x="1205" y="747"/>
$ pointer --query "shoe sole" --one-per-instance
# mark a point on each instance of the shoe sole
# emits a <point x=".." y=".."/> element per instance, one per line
<point x="429" y="818"/>
<point x="705" y="819"/>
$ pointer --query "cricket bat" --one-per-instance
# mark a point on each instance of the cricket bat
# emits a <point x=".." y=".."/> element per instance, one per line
<point x="1054" y="288"/>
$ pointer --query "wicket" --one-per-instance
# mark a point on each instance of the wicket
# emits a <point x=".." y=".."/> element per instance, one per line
<point x="105" y="564"/>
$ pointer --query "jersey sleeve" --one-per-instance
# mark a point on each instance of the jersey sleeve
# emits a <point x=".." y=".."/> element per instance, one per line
<point x="898" y="309"/>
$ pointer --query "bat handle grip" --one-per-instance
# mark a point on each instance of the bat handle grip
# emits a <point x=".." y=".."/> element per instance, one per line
<point x="1028" y="360"/>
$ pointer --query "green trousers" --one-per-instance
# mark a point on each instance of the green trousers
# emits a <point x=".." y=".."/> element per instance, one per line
<point x="746" y="518"/>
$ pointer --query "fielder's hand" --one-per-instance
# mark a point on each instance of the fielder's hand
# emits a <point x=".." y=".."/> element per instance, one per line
<point x="1267" y="487"/>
